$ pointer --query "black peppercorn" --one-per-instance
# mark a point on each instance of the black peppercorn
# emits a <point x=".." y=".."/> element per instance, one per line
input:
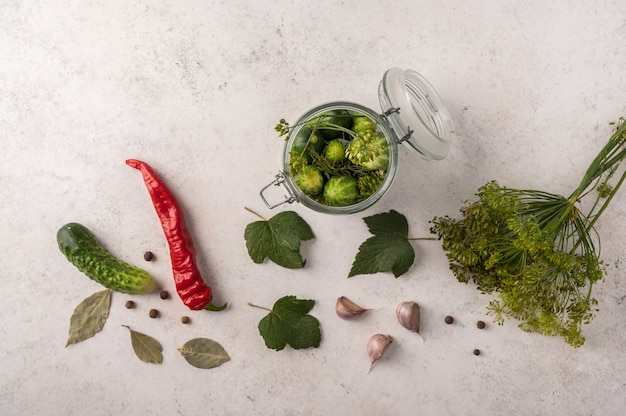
<point x="480" y="324"/>
<point x="476" y="351"/>
<point x="153" y="313"/>
<point x="164" y="294"/>
<point x="185" y="319"/>
<point x="129" y="304"/>
<point x="449" y="319"/>
<point x="148" y="256"/>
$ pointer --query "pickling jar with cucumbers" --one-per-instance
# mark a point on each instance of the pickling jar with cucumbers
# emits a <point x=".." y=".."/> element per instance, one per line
<point x="342" y="157"/>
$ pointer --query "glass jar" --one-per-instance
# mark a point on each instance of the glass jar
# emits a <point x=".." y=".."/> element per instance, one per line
<point x="412" y="115"/>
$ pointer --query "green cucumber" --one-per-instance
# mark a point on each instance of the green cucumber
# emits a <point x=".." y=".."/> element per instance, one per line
<point x="329" y="120"/>
<point x="307" y="138"/>
<point x="82" y="249"/>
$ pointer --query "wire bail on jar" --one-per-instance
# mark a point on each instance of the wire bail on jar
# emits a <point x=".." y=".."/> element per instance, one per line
<point x="279" y="180"/>
<point x="396" y="110"/>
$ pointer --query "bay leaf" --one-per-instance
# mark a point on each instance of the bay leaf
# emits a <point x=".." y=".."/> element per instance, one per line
<point x="204" y="353"/>
<point x="146" y="348"/>
<point x="89" y="317"/>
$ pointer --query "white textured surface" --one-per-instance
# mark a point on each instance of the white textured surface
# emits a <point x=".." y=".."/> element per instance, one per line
<point x="195" y="89"/>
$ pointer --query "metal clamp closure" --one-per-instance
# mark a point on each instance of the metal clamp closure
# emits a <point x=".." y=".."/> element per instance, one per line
<point x="392" y="110"/>
<point x="279" y="180"/>
<point x="396" y="110"/>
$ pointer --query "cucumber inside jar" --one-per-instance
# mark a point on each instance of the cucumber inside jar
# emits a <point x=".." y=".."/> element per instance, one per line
<point x="349" y="162"/>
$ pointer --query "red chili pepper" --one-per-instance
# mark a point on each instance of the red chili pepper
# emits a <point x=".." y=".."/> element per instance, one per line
<point x="189" y="283"/>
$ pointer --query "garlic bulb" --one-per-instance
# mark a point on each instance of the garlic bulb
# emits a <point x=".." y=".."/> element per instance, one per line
<point x="408" y="314"/>
<point x="346" y="309"/>
<point x="376" y="347"/>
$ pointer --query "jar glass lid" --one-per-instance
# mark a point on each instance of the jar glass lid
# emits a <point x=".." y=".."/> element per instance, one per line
<point x="416" y="113"/>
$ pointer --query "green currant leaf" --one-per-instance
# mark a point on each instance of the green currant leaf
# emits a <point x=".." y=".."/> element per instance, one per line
<point x="388" y="250"/>
<point x="289" y="323"/>
<point x="278" y="239"/>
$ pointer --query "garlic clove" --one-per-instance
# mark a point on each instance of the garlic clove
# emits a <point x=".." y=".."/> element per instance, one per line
<point x="408" y="314"/>
<point x="346" y="309"/>
<point x="376" y="347"/>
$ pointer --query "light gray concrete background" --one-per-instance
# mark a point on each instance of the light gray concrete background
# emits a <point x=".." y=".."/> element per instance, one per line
<point x="195" y="88"/>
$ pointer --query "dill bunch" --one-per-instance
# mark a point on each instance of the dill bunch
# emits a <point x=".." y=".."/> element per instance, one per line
<point x="537" y="250"/>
